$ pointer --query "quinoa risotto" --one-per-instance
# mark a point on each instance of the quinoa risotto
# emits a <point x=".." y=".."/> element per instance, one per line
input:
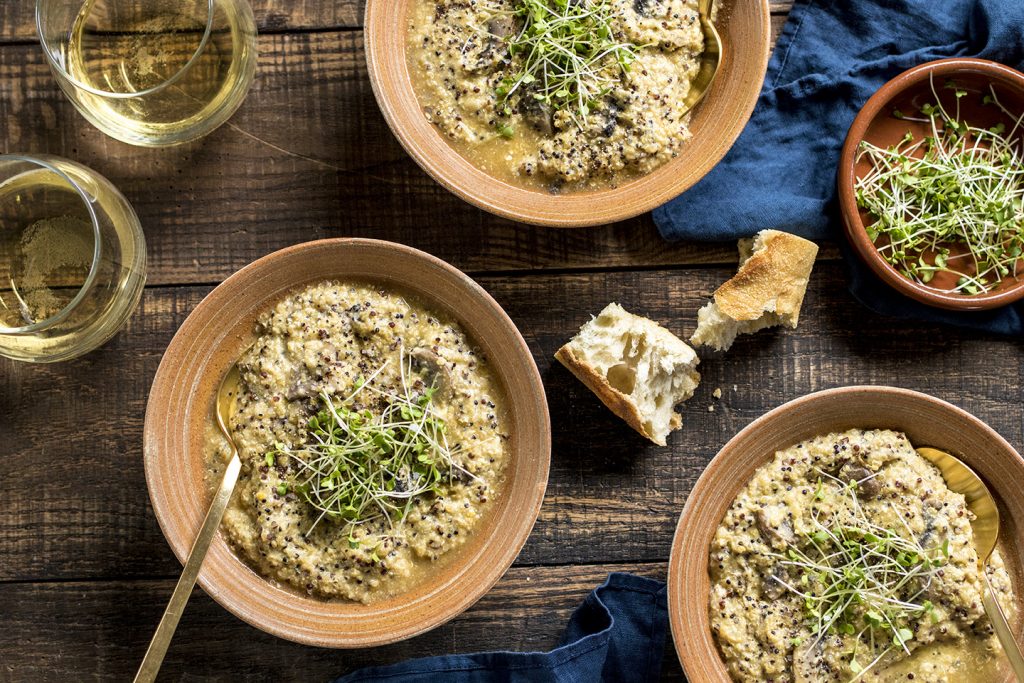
<point x="847" y="558"/>
<point x="470" y="82"/>
<point x="342" y="363"/>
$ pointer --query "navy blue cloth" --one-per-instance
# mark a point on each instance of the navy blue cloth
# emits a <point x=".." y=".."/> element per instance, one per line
<point x="831" y="57"/>
<point x="616" y="636"/>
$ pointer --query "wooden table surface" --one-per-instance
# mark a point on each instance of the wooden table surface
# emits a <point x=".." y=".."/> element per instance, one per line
<point x="85" y="571"/>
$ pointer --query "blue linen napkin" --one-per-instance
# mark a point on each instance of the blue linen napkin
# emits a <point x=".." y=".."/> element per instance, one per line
<point x="831" y="57"/>
<point x="616" y="636"/>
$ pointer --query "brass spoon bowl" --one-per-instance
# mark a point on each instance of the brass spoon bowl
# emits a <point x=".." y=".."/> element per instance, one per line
<point x="710" y="59"/>
<point x="985" y="526"/>
<point x="227" y="396"/>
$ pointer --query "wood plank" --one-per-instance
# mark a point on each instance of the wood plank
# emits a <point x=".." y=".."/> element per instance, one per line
<point x="255" y="185"/>
<point x="71" y="480"/>
<point x="99" y="631"/>
<point x="17" y="19"/>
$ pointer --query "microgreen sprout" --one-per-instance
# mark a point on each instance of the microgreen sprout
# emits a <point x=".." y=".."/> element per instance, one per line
<point x="567" y="55"/>
<point x="360" y="466"/>
<point x="859" y="579"/>
<point x="958" y="186"/>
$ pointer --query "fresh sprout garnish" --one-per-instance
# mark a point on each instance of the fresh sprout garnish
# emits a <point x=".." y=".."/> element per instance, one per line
<point x="361" y="467"/>
<point x="568" y="56"/>
<point x="859" y="579"/>
<point x="960" y="186"/>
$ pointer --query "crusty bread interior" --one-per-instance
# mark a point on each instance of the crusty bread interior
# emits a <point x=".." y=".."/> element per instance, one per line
<point x="767" y="290"/>
<point x="637" y="368"/>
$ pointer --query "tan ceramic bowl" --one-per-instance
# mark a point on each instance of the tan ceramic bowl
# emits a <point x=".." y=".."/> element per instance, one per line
<point x="875" y="123"/>
<point x="745" y="28"/>
<point x="927" y="421"/>
<point x="181" y="404"/>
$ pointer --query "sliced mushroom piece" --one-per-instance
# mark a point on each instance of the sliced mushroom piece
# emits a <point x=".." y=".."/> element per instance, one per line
<point x="611" y="118"/>
<point x="837" y="466"/>
<point x="867" y="481"/>
<point x="492" y="49"/>
<point x="772" y="587"/>
<point x="775" y="526"/>
<point x="302" y="388"/>
<point x="431" y="368"/>
<point x="501" y="26"/>
<point x="461" y="475"/>
<point x="929" y="530"/>
<point x="537" y="114"/>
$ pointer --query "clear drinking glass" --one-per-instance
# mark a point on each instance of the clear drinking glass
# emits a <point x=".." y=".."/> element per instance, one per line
<point x="151" y="72"/>
<point x="72" y="259"/>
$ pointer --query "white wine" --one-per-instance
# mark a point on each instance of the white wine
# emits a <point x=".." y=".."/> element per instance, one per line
<point x="67" y="283"/>
<point x="159" y="72"/>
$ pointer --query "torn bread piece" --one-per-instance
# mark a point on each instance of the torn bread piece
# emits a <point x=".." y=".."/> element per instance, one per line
<point x="636" y="367"/>
<point x="767" y="290"/>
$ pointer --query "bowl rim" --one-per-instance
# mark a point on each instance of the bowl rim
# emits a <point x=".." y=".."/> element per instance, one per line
<point x="692" y="653"/>
<point x="228" y="579"/>
<point x="387" y="67"/>
<point x="853" y="225"/>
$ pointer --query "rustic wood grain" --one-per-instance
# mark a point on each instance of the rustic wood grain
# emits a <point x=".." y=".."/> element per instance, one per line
<point x="104" y="628"/>
<point x="307" y="156"/>
<point x="71" y="480"/>
<point x="86" y="572"/>
<point x="17" y="17"/>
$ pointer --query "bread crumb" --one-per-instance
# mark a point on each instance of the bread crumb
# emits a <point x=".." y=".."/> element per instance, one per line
<point x="717" y="393"/>
<point x="711" y="408"/>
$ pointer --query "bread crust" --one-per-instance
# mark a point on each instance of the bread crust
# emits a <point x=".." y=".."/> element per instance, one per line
<point x="779" y="273"/>
<point x="618" y="402"/>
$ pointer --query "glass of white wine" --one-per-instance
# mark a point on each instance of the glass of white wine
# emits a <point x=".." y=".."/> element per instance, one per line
<point x="72" y="259"/>
<point x="151" y="72"/>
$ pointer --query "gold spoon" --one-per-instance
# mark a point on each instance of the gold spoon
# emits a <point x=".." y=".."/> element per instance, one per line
<point x="962" y="479"/>
<point x="227" y="394"/>
<point x="710" y="59"/>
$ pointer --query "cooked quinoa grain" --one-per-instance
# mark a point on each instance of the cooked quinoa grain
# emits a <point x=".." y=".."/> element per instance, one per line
<point x="329" y="338"/>
<point x="763" y="628"/>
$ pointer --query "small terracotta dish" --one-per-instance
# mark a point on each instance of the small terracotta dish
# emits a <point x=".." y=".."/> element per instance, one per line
<point x="876" y="123"/>
<point x="927" y="421"/>
<point x="745" y="28"/>
<point x="182" y="398"/>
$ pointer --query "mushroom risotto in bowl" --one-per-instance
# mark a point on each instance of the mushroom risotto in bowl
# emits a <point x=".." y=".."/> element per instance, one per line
<point x="393" y="434"/>
<point x="556" y="95"/>
<point x="821" y="546"/>
<point x="566" y="112"/>
<point x="373" y="439"/>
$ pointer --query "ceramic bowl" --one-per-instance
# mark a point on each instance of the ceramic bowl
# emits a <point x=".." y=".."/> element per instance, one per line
<point x="745" y="28"/>
<point x="181" y="404"/>
<point x="876" y="124"/>
<point x="927" y="421"/>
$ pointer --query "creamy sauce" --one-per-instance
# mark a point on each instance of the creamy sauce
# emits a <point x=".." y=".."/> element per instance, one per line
<point x="763" y="628"/>
<point x="333" y="337"/>
<point x="457" y="62"/>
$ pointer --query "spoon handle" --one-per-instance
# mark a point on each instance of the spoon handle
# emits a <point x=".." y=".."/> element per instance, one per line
<point x="165" y="631"/>
<point x="1002" y="628"/>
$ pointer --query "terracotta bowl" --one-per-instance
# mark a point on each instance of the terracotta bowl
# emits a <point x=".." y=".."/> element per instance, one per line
<point x="927" y="421"/>
<point x="181" y="404"/>
<point x="745" y="28"/>
<point x="876" y="124"/>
